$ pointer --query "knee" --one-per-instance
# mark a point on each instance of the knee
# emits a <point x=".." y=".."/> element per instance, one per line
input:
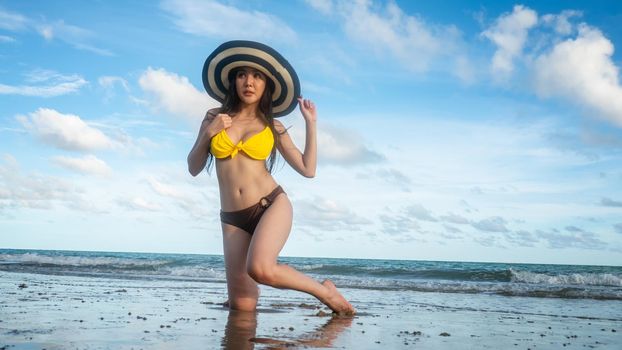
<point x="243" y="304"/>
<point x="261" y="273"/>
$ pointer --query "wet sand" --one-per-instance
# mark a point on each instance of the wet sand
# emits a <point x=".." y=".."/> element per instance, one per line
<point x="62" y="312"/>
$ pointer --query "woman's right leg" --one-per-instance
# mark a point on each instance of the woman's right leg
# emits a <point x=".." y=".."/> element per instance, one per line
<point x="268" y="240"/>
<point x="242" y="289"/>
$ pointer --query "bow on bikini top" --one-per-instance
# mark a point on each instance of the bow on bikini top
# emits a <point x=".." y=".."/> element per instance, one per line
<point x="257" y="146"/>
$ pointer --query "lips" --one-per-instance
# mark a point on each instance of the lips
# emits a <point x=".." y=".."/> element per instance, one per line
<point x="248" y="93"/>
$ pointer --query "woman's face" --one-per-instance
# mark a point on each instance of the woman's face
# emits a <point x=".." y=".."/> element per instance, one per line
<point x="250" y="85"/>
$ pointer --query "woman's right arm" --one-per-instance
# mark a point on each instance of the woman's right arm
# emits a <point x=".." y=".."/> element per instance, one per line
<point x="197" y="158"/>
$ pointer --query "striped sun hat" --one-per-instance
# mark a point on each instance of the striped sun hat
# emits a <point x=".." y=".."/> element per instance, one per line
<point x="241" y="53"/>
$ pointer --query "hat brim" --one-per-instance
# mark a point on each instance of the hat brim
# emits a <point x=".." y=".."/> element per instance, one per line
<point x="241" y="53"/>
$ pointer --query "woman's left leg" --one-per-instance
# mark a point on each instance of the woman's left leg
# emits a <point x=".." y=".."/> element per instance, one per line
<point x="268" y="240"/>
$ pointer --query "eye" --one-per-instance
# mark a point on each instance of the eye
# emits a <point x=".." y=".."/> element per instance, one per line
<point x="241" y="74"/>
<point x="258" y="75"/>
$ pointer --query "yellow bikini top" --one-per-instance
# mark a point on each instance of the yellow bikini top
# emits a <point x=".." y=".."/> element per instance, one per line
<point x="257" y="146"/>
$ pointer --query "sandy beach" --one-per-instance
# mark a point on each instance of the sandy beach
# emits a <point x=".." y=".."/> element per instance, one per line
<point x="454" y="168"/>
<point x="66" y="312"/>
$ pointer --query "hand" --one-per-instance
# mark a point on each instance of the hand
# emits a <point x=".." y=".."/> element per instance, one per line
<point x="216" y="123"/>
<point x="307" y="108"/>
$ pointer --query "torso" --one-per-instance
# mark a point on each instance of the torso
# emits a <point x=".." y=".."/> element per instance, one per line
<point x="242" y="181"/>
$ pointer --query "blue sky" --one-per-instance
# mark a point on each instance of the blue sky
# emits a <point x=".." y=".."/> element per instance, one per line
<point x="474" y="131"/>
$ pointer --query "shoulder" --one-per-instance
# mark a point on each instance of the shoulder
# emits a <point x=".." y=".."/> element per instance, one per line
<point x="211" y="114"/>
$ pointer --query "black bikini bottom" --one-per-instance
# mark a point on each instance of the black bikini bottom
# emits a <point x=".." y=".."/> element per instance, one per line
<point x="248" y="218"/>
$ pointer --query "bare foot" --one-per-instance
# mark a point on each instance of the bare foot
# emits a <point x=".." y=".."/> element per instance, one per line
<point x="335" y="301"/>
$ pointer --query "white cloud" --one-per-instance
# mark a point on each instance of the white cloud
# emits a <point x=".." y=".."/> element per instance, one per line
<point x="608" y="202"/>
<point x="574" y="239"/>
<point x="108" y="83"/>
<point x="454" y="219"/>
<point x="47" y="83"/>
<point x="66" y="131"/>
<point x="336" y="67"/>
<point x="181" y="199"/>
<point x="6" y="39"/>
<point x="139" y="203"/>
<point x="522" y="238"/>
<point x="579" y="69"/>
<point x="32" y="190"/>
<point x="88" y="164"/>
<point x="327" y="215"/>
<point x="339" y="146"/>
<point x="509" y="34"/>
<point x="412" y="222"/>
<point x="408" y="38"/>
<point x="12" y="21"/>
<point x="75" y="36"/>
<point x="493" y="224"/>
<point x="47" y="32"/>
<point x="389" y="175"/>
<point x="419" y="212"/>
<point x="166" y="190"/>
<point x="111" y="81"/>
<point x="324" y="6"/>
<point x="175" y="94"/>
<point x="399" y="225"/>
<point x="582" y="71"/>
<point x="46" y="75"/>
<point x="561" y="23"/>
<point x="463" y="69"/>
<point x="210" y="18"/>
<point x="390" y="33"/>
<point x="394" y="176"/>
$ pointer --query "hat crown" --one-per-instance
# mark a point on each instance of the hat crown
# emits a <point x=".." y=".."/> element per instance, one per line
<point x="243" y="53"/>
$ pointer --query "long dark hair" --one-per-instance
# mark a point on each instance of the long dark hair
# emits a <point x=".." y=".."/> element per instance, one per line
<point x="231" y="105"/>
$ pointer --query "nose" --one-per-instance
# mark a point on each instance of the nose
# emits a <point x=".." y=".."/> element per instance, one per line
<point x="249" y="80"/>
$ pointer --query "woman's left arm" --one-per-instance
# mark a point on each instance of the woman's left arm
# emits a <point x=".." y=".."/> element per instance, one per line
<point x="304" y="163"/>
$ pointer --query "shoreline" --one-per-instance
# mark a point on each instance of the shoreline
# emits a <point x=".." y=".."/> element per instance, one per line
<point x="312" y="257"/>
<point x="56" y="312"/>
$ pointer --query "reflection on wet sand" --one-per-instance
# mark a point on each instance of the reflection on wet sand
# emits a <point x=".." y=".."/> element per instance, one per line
<point x="242" y="326"/>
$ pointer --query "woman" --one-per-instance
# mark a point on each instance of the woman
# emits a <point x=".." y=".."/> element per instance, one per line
<point x="255" y="84"/>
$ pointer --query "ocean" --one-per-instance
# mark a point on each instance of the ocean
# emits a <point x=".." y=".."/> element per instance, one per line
<point x="56" y="299"/>
<point x="525" y="280"/>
